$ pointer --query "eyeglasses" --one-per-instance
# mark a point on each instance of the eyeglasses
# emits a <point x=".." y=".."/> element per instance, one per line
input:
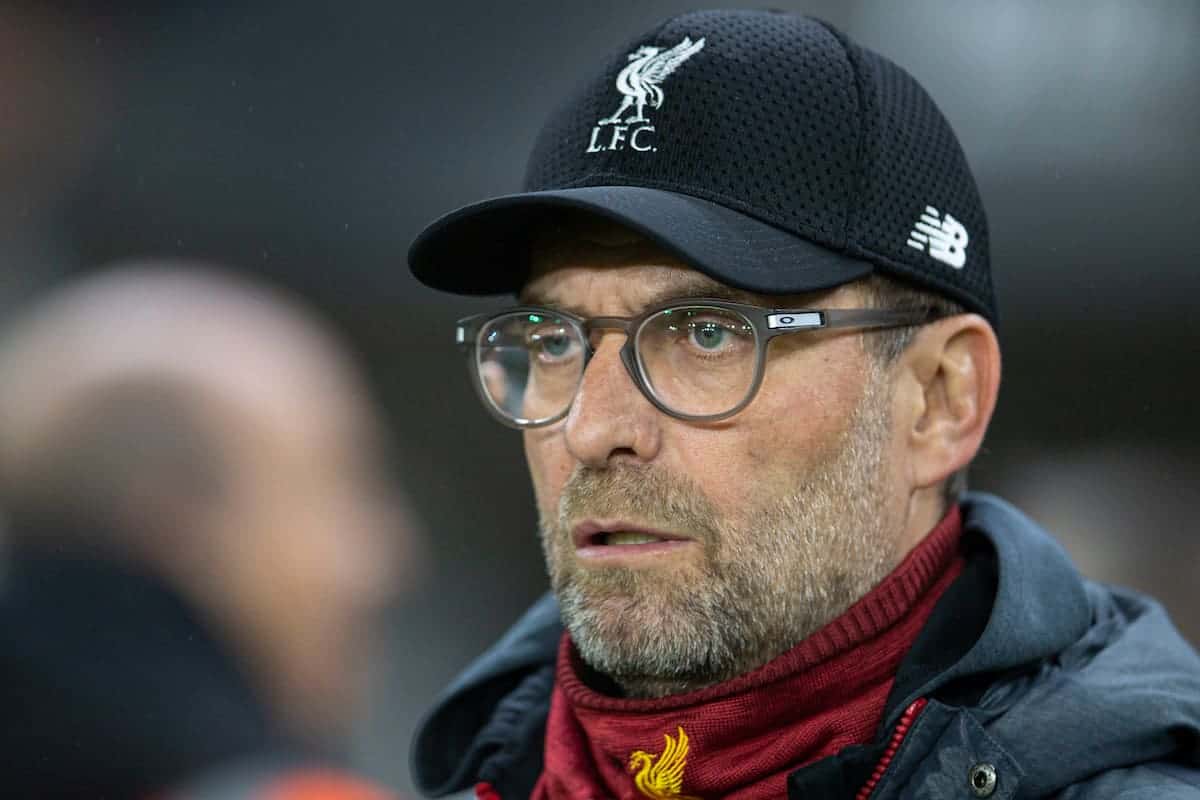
<point x="695" y="359"/>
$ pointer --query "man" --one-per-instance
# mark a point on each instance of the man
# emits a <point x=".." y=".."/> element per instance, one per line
<point x="198" y="539"/>
<point x="753" y="357"/>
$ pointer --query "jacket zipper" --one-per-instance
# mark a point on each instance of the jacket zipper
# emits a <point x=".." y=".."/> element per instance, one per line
<point x="902" y="728"/>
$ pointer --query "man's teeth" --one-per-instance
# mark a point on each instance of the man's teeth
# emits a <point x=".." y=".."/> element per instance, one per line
<point x="629" y="537"/>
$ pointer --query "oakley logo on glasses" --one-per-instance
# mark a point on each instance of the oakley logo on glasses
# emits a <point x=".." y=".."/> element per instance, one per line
<point x="811" y="319"/>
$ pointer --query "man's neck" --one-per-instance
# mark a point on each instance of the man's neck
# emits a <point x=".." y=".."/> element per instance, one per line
<point x="653" y="687"/>
<point x="924" y="510"/>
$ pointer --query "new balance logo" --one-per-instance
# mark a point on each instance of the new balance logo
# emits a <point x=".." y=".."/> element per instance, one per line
<point x="943" y="237"/>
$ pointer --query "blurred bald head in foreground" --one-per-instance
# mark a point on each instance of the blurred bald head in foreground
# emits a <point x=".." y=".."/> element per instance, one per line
<point x="209" y="433"/>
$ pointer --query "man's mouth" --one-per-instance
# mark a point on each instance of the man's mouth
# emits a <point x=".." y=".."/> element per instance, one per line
<point x="619" y="539"/>
<point x="626" y="537"/>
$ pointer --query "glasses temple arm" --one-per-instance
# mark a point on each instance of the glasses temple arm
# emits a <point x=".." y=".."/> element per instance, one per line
<point x="877" y="317"/>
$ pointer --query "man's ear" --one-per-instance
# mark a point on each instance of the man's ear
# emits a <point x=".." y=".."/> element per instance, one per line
<point x="948" y="379"/>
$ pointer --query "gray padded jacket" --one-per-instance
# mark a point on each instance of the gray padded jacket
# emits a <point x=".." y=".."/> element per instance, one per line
<point x="1030" y="682"/>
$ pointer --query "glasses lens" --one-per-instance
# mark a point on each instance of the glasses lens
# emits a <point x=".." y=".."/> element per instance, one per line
<point x="698" y="360"/>
<point x="529" y="365"/>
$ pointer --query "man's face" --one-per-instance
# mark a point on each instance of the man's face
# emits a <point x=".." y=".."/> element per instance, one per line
<point x="750" y="533"/>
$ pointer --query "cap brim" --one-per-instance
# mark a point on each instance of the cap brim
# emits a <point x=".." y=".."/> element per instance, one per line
<point x="483" y="248"/>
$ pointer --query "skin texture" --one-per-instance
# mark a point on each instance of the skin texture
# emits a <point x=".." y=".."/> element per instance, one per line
<point x="793" y="509"/>
<point x="295" y="545"/>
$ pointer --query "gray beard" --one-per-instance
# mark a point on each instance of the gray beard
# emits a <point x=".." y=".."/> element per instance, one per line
<point x="794" y="564"/>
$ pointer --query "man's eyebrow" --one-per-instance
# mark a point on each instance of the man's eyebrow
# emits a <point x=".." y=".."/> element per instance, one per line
<point x="698" y="287"/>
<point x="702" y="287"/>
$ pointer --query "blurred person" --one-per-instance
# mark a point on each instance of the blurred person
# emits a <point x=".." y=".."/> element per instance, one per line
<point x="754" y="355"/>
<point x="199" y="537"/>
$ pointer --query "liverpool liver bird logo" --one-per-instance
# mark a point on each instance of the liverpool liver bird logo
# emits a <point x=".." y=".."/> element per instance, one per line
<point x="649" y="67"/>
<point x="662" y="779"/>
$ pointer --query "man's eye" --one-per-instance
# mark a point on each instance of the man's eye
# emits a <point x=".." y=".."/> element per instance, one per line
<point x="709" y="335"/>
<point x="717" y="336"/>
<point x="551" y="345"/>
<point x="556" y="345"/>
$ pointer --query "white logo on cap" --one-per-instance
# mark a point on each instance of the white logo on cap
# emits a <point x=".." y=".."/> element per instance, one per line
<point x="945" y="237"/>
<point x="640" y="83"/>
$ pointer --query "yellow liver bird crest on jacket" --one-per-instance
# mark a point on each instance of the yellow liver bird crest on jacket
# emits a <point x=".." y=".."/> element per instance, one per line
<point x="662" y="779"/>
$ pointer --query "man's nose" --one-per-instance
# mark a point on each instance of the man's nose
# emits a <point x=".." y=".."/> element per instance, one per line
<point x="610" y="417"/>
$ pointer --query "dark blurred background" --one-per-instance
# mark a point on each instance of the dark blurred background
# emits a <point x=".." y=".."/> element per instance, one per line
<point x="307" y="143"/>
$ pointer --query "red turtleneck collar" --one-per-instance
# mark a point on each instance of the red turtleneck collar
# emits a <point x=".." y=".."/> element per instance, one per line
<point x="740" y="739"/>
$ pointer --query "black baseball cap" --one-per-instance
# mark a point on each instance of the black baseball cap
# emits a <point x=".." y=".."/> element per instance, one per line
<point x="765" y="149"/>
